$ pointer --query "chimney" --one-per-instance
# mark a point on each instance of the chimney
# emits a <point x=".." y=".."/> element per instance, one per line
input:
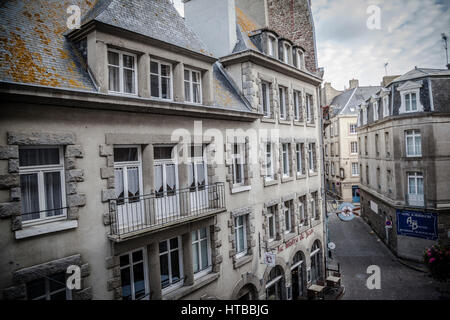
<point x="214" y="21"/>
<point x="354" y="83"/>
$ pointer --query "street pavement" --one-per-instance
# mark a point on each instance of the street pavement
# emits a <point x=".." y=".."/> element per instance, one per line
<point x="357" y="249"/>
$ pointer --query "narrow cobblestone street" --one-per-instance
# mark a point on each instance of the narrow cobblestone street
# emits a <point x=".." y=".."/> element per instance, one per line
<point x="357" y="248"/>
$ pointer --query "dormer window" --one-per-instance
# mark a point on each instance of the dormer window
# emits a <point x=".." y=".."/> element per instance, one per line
<point x="281" y="50"/>
<point x="122" y="75"/>
<point x="192" y="86"/>
<point x="297" y="58"/>
<point x="410" y="94"/>
<point x="271" y="45"/>
<point x="386" y="106"/>
<point x="160" y="80"/>
<point x="375" y="111"/>
<point x="287" y="49"/>
<point x="364" y="110"/>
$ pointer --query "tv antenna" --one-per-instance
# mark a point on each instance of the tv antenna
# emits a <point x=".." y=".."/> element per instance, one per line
<point x="444" y="40"/>
<point x="385" y="67"/>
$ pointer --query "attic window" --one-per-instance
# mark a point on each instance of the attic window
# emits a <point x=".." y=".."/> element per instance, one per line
<point x="122" y="72"/>
<point x="271" y="44"/>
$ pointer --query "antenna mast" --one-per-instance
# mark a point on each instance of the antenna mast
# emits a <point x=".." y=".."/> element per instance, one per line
<point x="444" y="40"/>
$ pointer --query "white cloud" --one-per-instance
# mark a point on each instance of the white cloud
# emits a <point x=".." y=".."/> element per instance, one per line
<point x="410" y="36"/>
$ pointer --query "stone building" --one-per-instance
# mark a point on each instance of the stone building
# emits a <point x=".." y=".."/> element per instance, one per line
<point x="130" y="148"/>
<point x="341" y="144"/>
<point x="403" y="131"/>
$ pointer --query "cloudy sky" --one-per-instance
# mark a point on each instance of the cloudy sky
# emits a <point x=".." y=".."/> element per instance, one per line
<point x="409" y="35"/>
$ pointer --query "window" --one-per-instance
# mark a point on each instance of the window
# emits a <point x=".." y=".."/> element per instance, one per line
<point x="171" y="260"/>
<point x="286" y="52"/>
<point x="364" y="109"/>
<point x="297" y="109"/>
<point x="238" y="164"/>
<point x="337" y="149"/>
<point x="122" y="75"/>
<point x="160" y="80"/>
<point x="354" y="147"/>
<point x="275" y="284"/>
<point x="127" y="175"/>
<point x="265" y="92"/>
<point x="280" y="50"/>
<point x="303" y="210"/>
<point x="299" y="157"/>
<point x="377" y="149"/>
<point x="359" y="143"/>
<point x="389" y="180"/>
<point x="42" y="183"/>
<point x="133" y="274"/>
<point x="316" y="263"/>
<point x="410" y="102"/>
<point x="52" y="287"/>
<point x="192" y="86"/>
<point x="271" y="46"/>
<point x="269" y="162"/>
<point x="415" y="189"/>
<point x="240" y="235"/>
<point x="312" y="157"/>
<point x="315" y="206"/>
<point x="386" y="106"/>
<point x="288" y="216"/>
<point x="413" y="143"/>
<point x="379" y="178"/>
<point x="201" y="251"/>
<point x="297" y="58"/>
<point x="282" y="97"/>
<point x="271" y="220"/>
<point x="375" y="111"/>
<point x="285" y="158"/>
<point x="386" y="144"/>
<point x="355" y="171"/>
<point x="367" y="175"/>
<point x="353" y="128"/>
<point x="332" y="169"/>
<point x="365" y="145"/>
<point x="309" y="109"/>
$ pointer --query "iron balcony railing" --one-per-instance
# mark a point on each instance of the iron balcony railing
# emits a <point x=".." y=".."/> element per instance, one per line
<point x="132" y="215"/>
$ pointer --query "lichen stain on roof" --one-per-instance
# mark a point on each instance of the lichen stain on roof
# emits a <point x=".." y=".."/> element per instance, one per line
<point x="247" y="24"/>
<point x="223" y="96"/>
<point x="33" y="48"/>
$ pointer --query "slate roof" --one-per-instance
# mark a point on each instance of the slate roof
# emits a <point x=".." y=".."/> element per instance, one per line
<point x="157" y="19"/>
<point x="420" y="73"/>
<point x="34" y="50"/>
<point x="350" y="99"/>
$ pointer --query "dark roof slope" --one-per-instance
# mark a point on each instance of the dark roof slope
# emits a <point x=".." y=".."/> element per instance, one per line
<point x="420" y="73"/>
<point x="346" y="102"/>
<point x="157" y="19"/>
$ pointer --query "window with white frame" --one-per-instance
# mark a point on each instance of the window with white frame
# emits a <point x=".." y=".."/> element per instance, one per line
<point x="201" y="251"/>
<point x="282" y="99"/>
<point x="271" y="222"/>
<point x="52" y="287"/>
<point x="280" y="51"/>
<point x="298" y="58"/>
<point x="171" y="262"/>
<point x="410" y="101"/>
<point x="355" y="171"/>
<point x="122" y="75"/>
<point x="297" y="110"/>
<point x="315" y="212"/>
<point x="386" y="106"/>
<point x="265" y="95"/>
<point x="127" y="173"/>
<point x="332" y="169"/>
<point x="160" y="80"/>
<point x="312" y="157"/>
<point x="353" y="128"/>
<point x="192" y="86"/>
<point x="354" y="147"/>
<point x="299" y="157"/>
<point x="269" y="162"/>
<point x="238" y="163"/>
<point x="271" y="44"/>
<point x="42" y="184"/>
<point x="240" y="235"/>
<point x="375" y="111"/>
<point x="285" y="159"/>
<point x="287" y="49"/>
<point x="413" y="143"/>
<point x="309" y="109"/>
<point x="364" y="109"/>
<point x="288" y="216"/>
<point x="133" y="275"/>
<point x="415" y="189"/>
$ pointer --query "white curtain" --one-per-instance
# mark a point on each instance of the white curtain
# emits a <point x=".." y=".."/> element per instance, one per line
<point x="30" y="196"/>
<point x="52" y="182"/>
<point x="170" y="177"/>
<point x="133" y="181"/>
<point x="158" y="178"/>
<point x="118" y="181"/>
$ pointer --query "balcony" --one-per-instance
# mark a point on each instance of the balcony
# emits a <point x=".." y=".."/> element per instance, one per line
<point x="131" y="217"/>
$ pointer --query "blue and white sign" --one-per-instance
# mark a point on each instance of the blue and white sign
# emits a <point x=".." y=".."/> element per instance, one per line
<point x="417" y="224"/>
<point x="346" y="211"/>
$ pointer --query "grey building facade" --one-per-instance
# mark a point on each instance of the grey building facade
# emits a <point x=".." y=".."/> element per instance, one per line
<point x="403" y="132"/>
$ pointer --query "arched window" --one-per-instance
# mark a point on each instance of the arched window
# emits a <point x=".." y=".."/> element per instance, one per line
<point x="316" y="257"/>
<point x="297" y="276"/>
<point x="275" y="284"/>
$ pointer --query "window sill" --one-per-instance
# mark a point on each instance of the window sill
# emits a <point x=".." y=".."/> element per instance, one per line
<point x="274" y="244"/>
<point x="299" y="123"/>
<point x="268" y="120"/>
<point x="284" y="121"/>
<point x="287" y="179"/>
<point x="240" y="189"/>
<point x="314" y="174"/>
<point x="269" y="183"/>
<point x="41" y="229"/>
<point x="313" y="125"/>
<point x="185" y="290"/>
<point x="239" y="262"/>
<point x="301" y="176"/>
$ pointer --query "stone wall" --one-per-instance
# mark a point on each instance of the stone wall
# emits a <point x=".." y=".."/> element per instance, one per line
<point x="292" y="19"/>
